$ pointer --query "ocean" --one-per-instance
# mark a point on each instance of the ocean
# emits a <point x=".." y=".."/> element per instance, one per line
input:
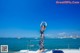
<point x="17" y="44"/>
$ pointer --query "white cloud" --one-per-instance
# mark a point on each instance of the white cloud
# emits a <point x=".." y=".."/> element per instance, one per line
<point x="62" y="33"/>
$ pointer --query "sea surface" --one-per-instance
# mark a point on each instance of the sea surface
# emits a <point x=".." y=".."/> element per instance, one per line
<point x="17" y="44"/>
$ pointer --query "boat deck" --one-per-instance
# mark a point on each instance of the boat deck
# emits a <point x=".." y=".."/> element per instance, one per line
<point x="64" y="50"/>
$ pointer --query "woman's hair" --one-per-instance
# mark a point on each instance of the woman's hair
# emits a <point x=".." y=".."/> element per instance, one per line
<point x="44" y="26"/>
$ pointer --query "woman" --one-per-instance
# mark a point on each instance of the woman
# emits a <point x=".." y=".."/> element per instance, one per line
<point x="41" y="43"/>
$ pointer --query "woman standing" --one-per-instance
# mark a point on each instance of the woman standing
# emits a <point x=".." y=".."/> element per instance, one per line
<point x="41" y="43"/>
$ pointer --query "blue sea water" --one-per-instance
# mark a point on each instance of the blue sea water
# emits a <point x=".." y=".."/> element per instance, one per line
<point x="15" y="44"/>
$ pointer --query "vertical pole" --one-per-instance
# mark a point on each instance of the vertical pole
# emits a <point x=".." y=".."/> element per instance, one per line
<point x="68" y="46"/>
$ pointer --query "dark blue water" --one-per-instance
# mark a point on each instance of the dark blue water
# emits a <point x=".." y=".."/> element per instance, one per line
<point x="16" y="44"/>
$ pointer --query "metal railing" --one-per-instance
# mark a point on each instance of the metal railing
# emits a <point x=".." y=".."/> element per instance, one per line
<point x="33" y="46"/>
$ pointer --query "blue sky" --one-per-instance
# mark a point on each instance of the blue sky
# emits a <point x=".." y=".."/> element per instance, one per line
<point x="22" y="18"/>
